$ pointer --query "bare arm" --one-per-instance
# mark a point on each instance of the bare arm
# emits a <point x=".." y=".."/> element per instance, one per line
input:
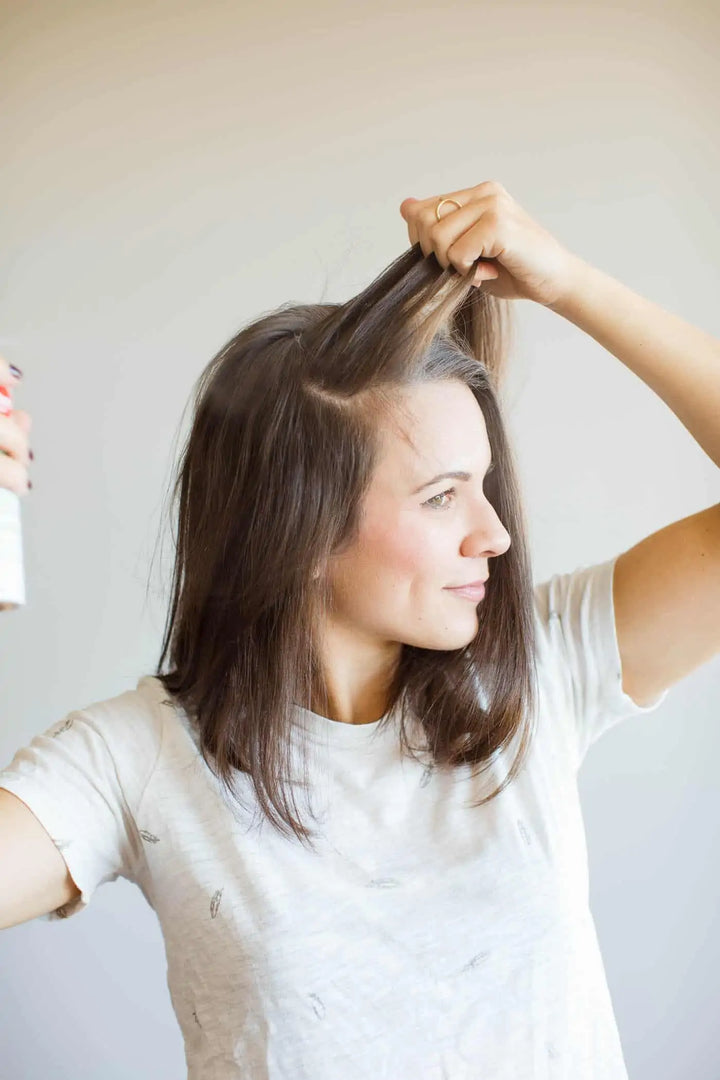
<point x="666" y="587"/>
<point x="34" y="879"/>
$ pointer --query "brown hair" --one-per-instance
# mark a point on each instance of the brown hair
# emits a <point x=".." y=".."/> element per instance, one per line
<point x="270" y="483"/>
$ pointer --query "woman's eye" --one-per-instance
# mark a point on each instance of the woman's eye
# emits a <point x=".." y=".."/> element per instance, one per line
<point x="436" y="505"/>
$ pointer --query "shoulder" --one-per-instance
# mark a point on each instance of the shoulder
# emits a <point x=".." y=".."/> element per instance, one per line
<point x="134" y="714"/>
<point x="127" y="730"/>
<point x="574" y="626"/>
<point x="564" y="600"/>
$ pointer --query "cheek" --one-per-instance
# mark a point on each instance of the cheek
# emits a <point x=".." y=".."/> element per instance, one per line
<point x="400" y="552"/>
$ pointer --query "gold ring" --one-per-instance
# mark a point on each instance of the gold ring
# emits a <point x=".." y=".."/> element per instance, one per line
<point x="437" y="208"/>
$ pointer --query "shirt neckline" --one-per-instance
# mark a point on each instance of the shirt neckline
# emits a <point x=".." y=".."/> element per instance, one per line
<point x="319" y="728"/>
<point x="337" y="733"/>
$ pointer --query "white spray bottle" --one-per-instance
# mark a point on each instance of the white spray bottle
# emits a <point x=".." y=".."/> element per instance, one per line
<point x="12" y="573"/>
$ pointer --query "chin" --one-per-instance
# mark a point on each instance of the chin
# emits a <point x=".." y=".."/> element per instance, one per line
<point x="450" y="640"/>
<point x="461" y="643"/>
<point x="464" y="635"/>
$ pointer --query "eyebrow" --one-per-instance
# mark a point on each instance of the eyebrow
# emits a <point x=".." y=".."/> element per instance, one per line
<point x="451" y="476"/>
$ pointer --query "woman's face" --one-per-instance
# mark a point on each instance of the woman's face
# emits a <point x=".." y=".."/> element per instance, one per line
<point x="420" y="538"/>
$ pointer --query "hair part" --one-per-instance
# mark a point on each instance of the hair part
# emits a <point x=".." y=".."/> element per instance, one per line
<point x="270" y="485"/>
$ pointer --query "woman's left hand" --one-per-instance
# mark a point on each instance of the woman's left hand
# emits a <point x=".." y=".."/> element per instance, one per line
<point x="518" y="259"/>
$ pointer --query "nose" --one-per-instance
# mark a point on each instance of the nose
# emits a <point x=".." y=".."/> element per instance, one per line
<point x="488" y="539"/>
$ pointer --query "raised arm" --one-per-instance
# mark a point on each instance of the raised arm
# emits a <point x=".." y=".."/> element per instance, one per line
<point x="34" y="879"/>
<point x="15" y="453"/>
<point x="666" y="588"/>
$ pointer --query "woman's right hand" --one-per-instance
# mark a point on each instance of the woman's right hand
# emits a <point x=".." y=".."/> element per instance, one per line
<point x="14" y="436"/>
<point x="14" y="441"/>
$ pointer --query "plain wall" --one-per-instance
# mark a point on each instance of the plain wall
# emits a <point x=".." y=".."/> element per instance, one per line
<point x="172" y="170"/>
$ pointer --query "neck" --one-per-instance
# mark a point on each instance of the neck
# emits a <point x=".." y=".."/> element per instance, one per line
<point x="358" y="677"/>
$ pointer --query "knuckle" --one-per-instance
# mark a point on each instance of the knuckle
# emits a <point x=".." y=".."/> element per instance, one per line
<point x="460" y="261"/>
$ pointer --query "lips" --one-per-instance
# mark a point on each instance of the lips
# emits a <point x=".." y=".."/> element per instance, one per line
<point x="474" y="591"/>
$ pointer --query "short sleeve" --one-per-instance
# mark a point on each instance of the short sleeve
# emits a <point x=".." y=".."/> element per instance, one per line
<point x="84" y="778"/>
<point x="579" y="652"/>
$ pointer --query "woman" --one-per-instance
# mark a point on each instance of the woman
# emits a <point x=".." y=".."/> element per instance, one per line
<point x="353" y="616"/>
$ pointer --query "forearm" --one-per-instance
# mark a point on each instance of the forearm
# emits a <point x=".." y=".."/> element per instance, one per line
<point x="675" y="359"/>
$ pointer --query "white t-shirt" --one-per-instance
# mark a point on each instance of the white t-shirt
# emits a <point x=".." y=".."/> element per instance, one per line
<point x="425" y="939"/>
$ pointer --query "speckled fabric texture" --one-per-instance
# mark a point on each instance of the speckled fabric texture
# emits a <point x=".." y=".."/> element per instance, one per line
<point x="424" y="938"/>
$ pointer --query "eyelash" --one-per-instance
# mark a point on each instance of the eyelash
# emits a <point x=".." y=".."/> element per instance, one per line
<point x="450" y="491"/>
<point x="430" y="502"/>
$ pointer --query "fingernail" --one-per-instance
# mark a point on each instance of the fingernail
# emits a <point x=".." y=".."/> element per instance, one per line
<point x="16" y="371"/>
<point x="32" y="456"/>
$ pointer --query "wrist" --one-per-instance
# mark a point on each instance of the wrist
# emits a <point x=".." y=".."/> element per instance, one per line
<point x="578" y="281"/>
